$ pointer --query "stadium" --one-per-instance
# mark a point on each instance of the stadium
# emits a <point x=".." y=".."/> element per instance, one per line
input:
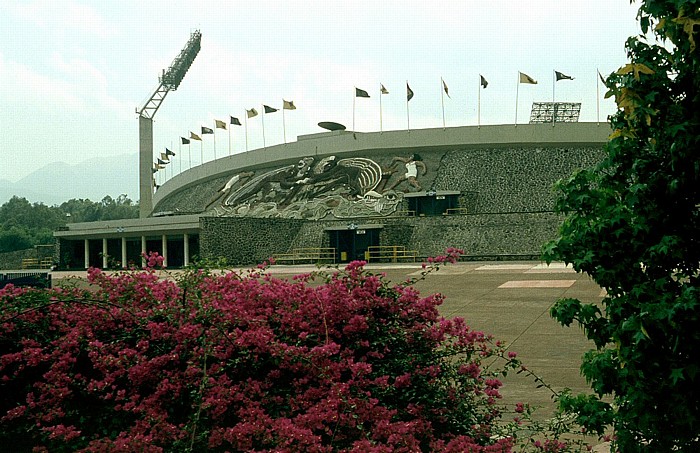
<point x="337" y="196"/>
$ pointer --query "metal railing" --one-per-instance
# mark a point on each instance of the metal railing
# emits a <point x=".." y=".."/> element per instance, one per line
<point x="392" y="253"/>
<point x="303" y="255"/>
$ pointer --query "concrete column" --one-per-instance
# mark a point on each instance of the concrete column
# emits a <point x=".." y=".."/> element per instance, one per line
<point x="124" y="265"/>
<point x="164" y="241"/>
<point x="143" y="250"/>
<point x="104" y="253"/>
<point x="87" y="253"/>
<point x="186" y="249"/>
<point x="145" y="166"/>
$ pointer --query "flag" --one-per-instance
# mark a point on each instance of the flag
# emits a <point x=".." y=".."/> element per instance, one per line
<point x="207" y="130"/>
<point x="409" y="93"/>
<point x="164" y="157"/>
<point x="288" y="105"/>
<point x="269" y="109"/>
<point x="361" y="93"/>
<point x="220" y="124"/>
<point x="602" y="79"/>
<point x="562" y="76"/>
<point x="251" y="113"/>
<point x="161" y="162"/>
<point x="154" y="170"/>
<point x="484" y="83"/>
<point x="444" y="87"/>
<point x="185" y="141"/>
<point x="382" y="89"/>
<point x="168" y="152"/>
<point x="194" y="136"/>
<point x="235" y="121"/>
<point x="524" y="78"/>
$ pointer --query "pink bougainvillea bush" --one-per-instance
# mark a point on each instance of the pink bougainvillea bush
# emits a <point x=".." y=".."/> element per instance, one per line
<point x="335" y="361"/>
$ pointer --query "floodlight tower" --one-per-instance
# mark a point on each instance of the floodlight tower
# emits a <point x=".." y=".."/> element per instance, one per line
<point x="168" y="81"/>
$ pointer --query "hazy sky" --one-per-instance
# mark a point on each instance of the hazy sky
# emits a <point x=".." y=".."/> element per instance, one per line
<point x="73" y="72"/>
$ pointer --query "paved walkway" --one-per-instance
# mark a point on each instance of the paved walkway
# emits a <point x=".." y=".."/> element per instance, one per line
<point x="512" y="302"/>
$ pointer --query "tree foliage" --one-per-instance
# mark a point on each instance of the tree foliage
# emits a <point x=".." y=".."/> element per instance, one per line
<point x="24" y="224"/>
<point x="633" y="224"/>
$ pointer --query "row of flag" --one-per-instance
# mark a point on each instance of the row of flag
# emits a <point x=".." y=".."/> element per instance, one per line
<point x="522" y="78"/>
<point x="483" y="83"/>
<point x="164" y="158"/>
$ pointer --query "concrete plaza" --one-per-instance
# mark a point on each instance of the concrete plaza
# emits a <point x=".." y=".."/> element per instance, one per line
<point x="511" y="300"/>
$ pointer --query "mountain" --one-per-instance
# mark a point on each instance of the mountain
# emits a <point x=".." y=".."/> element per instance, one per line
<point x="92" y="179"/>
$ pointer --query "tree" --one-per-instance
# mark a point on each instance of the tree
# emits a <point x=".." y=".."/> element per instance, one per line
<point x="24" y="225"/>
<point x="633" y="225"/>
<point x="14" y="239"/>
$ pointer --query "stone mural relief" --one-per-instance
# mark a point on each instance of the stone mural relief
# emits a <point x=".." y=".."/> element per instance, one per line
<point x="344" y="188"/>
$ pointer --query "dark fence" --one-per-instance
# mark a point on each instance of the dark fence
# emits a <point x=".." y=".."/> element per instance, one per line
<point x="33" y="279"/>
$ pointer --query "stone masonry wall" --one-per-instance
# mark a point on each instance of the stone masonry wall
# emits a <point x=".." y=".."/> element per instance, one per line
<point x="487" y="236"/>
<point x="510" y="179"/>
<point x="13" y="260"/>
<point x="243" y="241"/>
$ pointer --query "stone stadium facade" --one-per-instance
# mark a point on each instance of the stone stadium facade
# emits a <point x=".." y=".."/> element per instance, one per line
<point x="343" y="195"/>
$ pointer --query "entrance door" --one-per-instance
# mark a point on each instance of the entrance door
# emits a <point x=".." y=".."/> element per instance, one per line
<point x="351" y="245"/>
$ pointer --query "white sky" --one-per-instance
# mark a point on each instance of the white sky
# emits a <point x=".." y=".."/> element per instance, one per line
<point x="72" y="73"/>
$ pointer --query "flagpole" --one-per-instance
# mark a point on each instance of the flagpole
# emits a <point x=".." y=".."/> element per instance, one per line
<point x="381" y="129"/>
<point x="245" y="118"/>
<point x="263" y="125"/>
<point x="478" y="109"/>
<point x="353" y="110"/>
<point x="284" y="124"/>
<point x="442" y="99"/>
<point x="214" y="134"/>
<point x="517" y="91"/>
<point x="229" y="139"/>
<point x="408" y="116"/>
<point x="189" y="152"/>
<point x="179" y="150"/>
<point x="597" y="96"/>
<point x="201" y="151"/>
<point x="554" y="109"/>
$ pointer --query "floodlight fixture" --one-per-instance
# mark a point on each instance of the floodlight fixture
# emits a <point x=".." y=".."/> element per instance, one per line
<point x="555" y="112"/>
<point x="176" y="72"/>
<point x="169" y="81"/>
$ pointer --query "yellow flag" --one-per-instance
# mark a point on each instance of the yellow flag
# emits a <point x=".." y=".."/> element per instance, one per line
<point x="524" y="78"/>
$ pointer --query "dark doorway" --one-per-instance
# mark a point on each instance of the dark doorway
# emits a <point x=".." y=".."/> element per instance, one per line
<point x="176" y="251"/>
<point x="432" y="204"/>
<point x="133" y="252"/>
<point x="95" y="255"/>
<point x="352" y="244"/>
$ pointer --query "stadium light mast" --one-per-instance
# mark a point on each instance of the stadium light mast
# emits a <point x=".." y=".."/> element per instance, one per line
<point x="168" y="81"/>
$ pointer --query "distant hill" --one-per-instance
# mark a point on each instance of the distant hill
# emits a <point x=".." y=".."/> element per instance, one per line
<point x="92" y="179"/>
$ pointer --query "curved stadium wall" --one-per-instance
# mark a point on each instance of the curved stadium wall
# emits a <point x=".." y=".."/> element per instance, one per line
<point x="487" y="190"/>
